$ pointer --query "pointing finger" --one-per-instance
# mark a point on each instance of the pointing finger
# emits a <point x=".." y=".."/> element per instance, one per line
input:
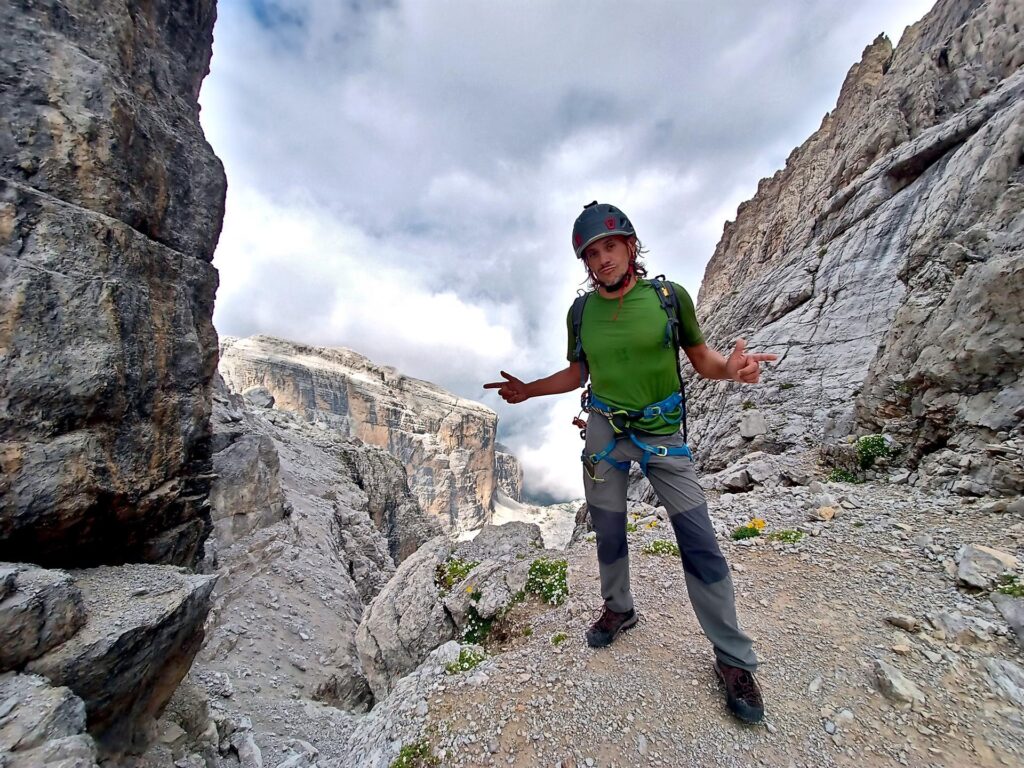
<point x="764" y="357"/>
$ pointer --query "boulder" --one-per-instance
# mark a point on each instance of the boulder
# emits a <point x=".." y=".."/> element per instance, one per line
<point x="406" y="621"/>
<point x="979" y="566"/>
<point x="144" y="625"/>
<point x="1012" y="609"/>
<point x="1007" y="679"/>
<point x="42" y="725"/>
<point x="39" y="609"/>
<point x="246" y="494"/>
<point x="895" y="686"/>
<point x="501" y="542"/>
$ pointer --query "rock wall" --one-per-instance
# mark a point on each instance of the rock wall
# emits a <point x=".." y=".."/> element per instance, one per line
<point x="446" y="443"/>
<point x="110" y="209"/>
<point x="508" y="474"/>
<point x="883" y="262"/>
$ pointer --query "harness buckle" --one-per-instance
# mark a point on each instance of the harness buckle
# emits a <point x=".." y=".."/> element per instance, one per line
<point x="619" y="421"/>
<point x="654" y="410"/>
<point x="660" y="450"/>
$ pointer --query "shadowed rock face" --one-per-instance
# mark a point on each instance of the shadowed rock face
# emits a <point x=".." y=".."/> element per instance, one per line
<point x="881" y="263"/>
<point x="110" y="209"/>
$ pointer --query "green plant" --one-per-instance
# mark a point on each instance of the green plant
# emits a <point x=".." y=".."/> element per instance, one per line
<point x="558" y="638"/>
<point x="858" y="523"/>
<point x="786" y="385"/>
<point x="871" y="447"/>
<point x="452" y="571"/>
<point x="748" y="404"/>
<point x="745" y="532"/>
<point x="416" y="755"/>
<point x="468" y="659"/>
<point x="547" y="579"/>
<point x="1010" y="585"/>
<point x="661" y="547"/>
<point x="477" y="627"/>
<point x="527" y="631"/>
<point x="841" y="476"/>
<point x="630" y="527"/>
<point x="787" y="536"/>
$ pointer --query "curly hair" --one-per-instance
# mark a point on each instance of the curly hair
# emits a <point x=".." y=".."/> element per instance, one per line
<point x="639" y="268"/>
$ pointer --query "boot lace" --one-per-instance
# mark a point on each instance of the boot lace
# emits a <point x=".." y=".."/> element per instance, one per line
<point x="746" y="687"/>
<point x="607" y="619"/>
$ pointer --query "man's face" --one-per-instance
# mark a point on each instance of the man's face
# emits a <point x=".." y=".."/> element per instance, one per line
<point x="608" y="258"/>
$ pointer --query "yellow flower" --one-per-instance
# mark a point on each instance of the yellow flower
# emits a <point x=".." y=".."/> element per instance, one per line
<point x="469" y="589"/>
<point x="757" y="523"/>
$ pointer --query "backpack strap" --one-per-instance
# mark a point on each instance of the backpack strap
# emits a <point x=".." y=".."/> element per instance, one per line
<point x="577" y="323"/>
<point x="666" y="293"/>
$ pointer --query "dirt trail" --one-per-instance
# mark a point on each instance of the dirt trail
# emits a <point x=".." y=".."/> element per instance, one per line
<point x="817" y="611"/>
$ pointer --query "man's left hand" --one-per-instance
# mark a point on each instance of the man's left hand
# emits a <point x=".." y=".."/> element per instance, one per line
<point x="743" y="367"/>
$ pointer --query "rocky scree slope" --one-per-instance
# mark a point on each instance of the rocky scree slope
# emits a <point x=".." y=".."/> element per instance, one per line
<point x="884" y="265"/>
<point x="446" y="443"/>
<point x="110" y="208"/>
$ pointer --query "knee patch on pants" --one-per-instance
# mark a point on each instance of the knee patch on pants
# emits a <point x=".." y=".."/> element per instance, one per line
<point x="698" y="546"/>
<point x="610" y="528"/>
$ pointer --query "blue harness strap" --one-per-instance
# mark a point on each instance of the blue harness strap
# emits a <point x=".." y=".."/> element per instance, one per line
<point x="621" y="421"/>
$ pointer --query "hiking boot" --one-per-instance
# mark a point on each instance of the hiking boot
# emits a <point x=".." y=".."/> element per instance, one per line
<point x="604" y="630"/>
<point x="742" y="694"/>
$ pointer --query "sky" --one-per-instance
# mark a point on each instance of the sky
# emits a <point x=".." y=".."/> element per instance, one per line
<point x="403" y="176"/>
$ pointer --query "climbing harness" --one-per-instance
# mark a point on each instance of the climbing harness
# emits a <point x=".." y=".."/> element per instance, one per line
<point x="671" y="410"/>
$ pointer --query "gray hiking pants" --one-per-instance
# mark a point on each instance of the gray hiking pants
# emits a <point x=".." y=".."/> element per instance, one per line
<point x="707" y="574"/>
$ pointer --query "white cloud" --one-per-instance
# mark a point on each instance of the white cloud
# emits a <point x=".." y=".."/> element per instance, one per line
<point x="403" y="177"/>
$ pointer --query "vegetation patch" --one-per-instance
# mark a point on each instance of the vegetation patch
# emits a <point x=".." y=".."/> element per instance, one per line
<point x="786" y="385"/>
<point x="415" y="755"/>
<point x="477" y="627"/>
<point x="750" y="530"/>
<point x="630" y="527"/>
<point x="841" y="476"/>
<point x="1010" y="585"/>
<point x="558" y="638"/>
<point x="748" y="404"/>
<point x="547" y="579"/>
<point x="468" y="659"/>
<point x="871" y="447"/>
<point x="661" y="547"/>
<point x="452" y="571"/>
<point x="786" y="537"/>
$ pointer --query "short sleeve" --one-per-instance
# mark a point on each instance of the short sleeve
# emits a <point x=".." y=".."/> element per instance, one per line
<point x="689" y="329"/>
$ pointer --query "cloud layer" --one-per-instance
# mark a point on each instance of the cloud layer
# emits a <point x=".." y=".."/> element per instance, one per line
<point x="403" y="176"/>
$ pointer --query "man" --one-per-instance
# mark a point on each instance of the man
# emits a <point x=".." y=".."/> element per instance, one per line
<point x="621" y="340"/>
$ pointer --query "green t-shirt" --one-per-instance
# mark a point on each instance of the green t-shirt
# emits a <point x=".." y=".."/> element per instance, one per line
<point x="630" y="366"/>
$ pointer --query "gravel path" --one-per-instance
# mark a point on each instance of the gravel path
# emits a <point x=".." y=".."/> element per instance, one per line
<point x="817" y="611"/>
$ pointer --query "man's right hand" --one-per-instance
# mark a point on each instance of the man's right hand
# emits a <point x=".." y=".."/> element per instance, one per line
<point x="512" y="390"/>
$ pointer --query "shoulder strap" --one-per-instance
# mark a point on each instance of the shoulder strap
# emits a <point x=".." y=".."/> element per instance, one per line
<point x="577" y="323"/>
<point x="666" y="293"/>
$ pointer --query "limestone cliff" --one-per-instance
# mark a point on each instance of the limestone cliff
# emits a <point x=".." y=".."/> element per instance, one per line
<point x="508" y="473"/>
<point x="884" y="263"/>
<point x="110" y="208"/>
<point x="445" y="442"/>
